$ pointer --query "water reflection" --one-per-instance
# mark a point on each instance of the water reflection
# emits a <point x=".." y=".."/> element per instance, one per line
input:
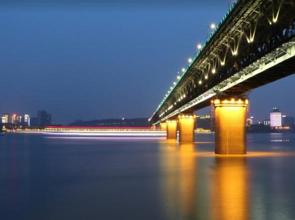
<point x="278" y="138"/>
<point x="178" y="186"/>
<point x="196" y="187"/>
<point x="230" y="189"/>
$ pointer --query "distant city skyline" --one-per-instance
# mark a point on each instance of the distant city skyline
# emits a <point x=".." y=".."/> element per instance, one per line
<point x="254" y="118"/>
<point x="87" y="63"/>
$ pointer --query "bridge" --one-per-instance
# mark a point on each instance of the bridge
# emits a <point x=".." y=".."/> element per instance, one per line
<point x="252" y="46"/>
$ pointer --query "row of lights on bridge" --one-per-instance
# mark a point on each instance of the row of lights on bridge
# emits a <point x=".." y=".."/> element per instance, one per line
<point x="190" y="60"/>
<point x="213" y="27"/>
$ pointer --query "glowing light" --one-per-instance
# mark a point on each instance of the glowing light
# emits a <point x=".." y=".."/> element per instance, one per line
<point x="251" y="38"/>
<point x="275" y="16"/>
<point x="216" y="101"/>
<point x="213" y="26"/>
<point x="222" y="62"/>
<point x="102" y="132"/>
<point x="200" y="82"/>
<point x="183" y="70"/>
<point x="225" y="101"/>
<point x="213" y="71"/>
<point x="190" y="60"/>
<point x="178" y="77"/>
<point x="231" y="102"/>
<point x="206" y="77"/>
<point x="174" y="83"/>
<point x="199" y="46"/>
<point x="235" y="52"/>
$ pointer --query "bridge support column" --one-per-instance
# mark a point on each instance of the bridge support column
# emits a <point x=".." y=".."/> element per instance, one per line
<point x="186" y="124"/>
<point x="163" y="126"/>
<point x="230" y="125"/>
<point x="171" y="129"/>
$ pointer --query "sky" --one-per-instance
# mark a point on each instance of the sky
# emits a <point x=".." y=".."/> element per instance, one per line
<point x="107" y="59"/>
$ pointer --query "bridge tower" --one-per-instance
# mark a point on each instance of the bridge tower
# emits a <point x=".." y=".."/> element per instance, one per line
<point x="230" y="125"/>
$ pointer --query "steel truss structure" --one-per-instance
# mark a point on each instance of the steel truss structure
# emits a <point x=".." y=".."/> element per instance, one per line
<point x="253" y="46"/>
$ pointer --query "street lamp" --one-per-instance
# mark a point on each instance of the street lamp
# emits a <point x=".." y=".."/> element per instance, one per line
<point x="213" y="26"/>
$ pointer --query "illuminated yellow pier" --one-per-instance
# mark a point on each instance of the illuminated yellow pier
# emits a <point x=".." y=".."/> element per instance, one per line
<point x="163" y="126"/>
<point x="186" y="124"/>
<point x="171" y="129"/>
<point x="230" y="125"/>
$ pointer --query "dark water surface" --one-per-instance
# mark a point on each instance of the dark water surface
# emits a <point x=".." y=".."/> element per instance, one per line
<point x="45" y="178"/>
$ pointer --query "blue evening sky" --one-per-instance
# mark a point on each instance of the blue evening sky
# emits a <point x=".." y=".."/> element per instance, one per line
<point x="90" y="61"/>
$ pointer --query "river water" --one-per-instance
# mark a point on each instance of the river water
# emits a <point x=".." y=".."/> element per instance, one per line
<point x="68" y="178"/>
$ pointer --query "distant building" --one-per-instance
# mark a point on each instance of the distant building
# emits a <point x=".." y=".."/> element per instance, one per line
<point x="44" y="118"/>
<point x="204" y="122"/>
<point x="27" y="120"/>
<point x="13" y="119"/>
<point x="266" y="122"/>
<point x="34" y="122"/>
<point x="275" y="118"/>
<point x="250" y="121"/>
<point x="5" y="119"/>
<point x="288" y="121"/>
<point x="19" y="119"/>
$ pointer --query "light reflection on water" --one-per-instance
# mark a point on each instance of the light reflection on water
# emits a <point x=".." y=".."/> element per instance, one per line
<point x="230" y="189"/>
<point x="209" y="186"/>
<point x="278" y="137"/>
<point x="179" y="190"/>
<point x="225" y="188"/>
<point x="49" y="178"/>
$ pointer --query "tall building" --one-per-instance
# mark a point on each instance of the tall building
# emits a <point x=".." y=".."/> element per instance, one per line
<point x="275" y="118"/>
<point x="13" y="119"/>
<point x="34" y="122"/>
<point x="27" y="120"/>
<point x="19" y="119"/>
<point x="5" y="119"/>
<point x="266" y="122"/>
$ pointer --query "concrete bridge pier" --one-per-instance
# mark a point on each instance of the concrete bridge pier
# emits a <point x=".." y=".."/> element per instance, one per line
<point x="230" y="125"/>
<point x="171" y="126"/>
<point x="163" y="126"/>
<point x="186" y="124"/>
